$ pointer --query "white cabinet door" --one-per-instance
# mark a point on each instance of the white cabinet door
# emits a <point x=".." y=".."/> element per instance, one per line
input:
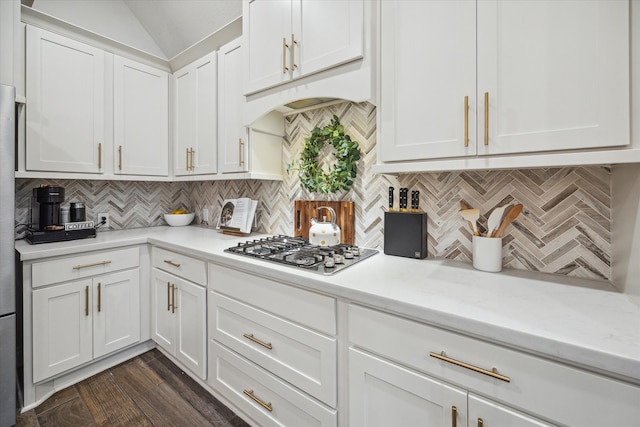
<point x="163" y="325"/>
<point x="178" y="319"/>
<point x="232" y="138"/>
<point x="196" y="117"/>
<point x="141" y="123"/>
<point x="190" y="314"/>
<point x="267" y="31"/>
<point x="65" y="89"/>
<point x="116" y="311"/>
<point x="325" y="34"/>
<point x="62" y="328"/>
<point x="485" y="413"/>
<point x="556" y="74"/>
<point x="383" y="394"/>
<point x="428" y="67"/>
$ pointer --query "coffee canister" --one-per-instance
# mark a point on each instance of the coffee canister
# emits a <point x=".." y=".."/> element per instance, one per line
<point x="77" y="212"/>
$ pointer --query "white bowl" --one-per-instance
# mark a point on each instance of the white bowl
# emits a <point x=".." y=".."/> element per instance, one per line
<point x="178" y="220"/>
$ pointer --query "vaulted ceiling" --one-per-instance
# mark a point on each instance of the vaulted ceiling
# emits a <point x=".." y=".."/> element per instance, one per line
<point x="162" y="27"/>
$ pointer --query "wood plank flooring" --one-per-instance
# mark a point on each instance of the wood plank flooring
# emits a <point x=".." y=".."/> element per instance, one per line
<point x="148" y="390"/>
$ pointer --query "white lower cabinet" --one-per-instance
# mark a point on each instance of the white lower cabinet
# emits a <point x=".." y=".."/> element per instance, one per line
<point x="76" y="322"/>
<point x="402" y="368"/>
<point x="272" y="349"/>
<point x="383" y="394"/>
<point x="178" y="319"/>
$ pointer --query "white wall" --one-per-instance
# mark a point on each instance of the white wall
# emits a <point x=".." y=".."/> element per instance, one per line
<point x="110" y="18"/>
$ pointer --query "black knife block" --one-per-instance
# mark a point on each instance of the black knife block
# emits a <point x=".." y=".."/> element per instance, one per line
<point x="405" y="234"/>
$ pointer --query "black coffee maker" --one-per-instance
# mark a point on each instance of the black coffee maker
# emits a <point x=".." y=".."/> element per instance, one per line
<point x="48" y="226"/>
<point x="48" y="200"/>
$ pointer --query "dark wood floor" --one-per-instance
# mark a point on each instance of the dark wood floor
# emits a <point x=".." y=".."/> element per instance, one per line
<point x="148" y="390"/>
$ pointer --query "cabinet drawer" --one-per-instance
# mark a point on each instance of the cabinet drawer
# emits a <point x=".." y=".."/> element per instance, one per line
<point x="298" y="355"/>
<point x="306" y="308"/>
<point x="266" y="399"/>
<point x="536" y="385"/>
<point x="77" y="267"/>
<point x="183" y="266"/>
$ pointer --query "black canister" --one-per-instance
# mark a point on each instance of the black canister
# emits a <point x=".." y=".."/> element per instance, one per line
<point x="77" y="212"/>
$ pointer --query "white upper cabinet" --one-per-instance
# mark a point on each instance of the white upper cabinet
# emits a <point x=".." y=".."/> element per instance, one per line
<point x="428" y="69"/>
<point x="556" y="74"/>
<point x="65" y="124"/>
<point x="550" y="75"/>
<point x="141" y="123"/>
<point x="232" y="138"/>
<point x="288" y="39"/>
<point x="196" y="117"/>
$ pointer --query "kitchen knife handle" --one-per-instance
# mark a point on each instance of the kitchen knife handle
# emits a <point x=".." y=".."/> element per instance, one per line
<point x="391" y="190"/>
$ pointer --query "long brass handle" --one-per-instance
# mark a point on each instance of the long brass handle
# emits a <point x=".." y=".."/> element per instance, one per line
<point x="168" y="296"/>
<point x="486" y="118"/>
<point x="454" y="416"/>
<point x="240" y="152"/>
<point x="171" y="263"/>
<point x="480" y="422"/>
<point x="293" y="50"/>
<point x="173" y="298"/>
<point x="100" y="155"/>
<point x="257" y="341"/>
<point x="266" y="406"/>
<point x="78" y="267"/>
<point x="86" y="300"/>
<point x="492" y="373"/>
<point x="99" y="297"/>
<point x="284" y="55"/>
<point x="193" y="167"/>
<point x="120" y="157"/>
<point x="466" y="121"/>
<point x="187" y="159"/>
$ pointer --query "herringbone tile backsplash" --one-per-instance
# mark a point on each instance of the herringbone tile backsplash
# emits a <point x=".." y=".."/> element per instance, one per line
<point x="565" y="227"/>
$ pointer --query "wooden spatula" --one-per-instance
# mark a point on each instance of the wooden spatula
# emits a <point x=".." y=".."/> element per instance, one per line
<point x="508" y="218"/>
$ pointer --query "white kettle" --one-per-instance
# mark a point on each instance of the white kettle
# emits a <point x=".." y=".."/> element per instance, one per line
<point x="324" y="233"/>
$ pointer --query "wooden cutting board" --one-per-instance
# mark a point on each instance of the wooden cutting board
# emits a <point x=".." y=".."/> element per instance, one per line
<point x="304" y="210"/>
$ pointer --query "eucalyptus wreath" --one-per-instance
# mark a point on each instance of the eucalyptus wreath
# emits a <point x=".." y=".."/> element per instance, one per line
<point x="341" y="174"/>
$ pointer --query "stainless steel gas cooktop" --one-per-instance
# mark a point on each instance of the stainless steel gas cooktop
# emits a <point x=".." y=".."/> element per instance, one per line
<point x="297" y="252"/>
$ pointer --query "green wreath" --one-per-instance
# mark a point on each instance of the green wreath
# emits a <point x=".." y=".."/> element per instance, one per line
<point x="342" y="173"/>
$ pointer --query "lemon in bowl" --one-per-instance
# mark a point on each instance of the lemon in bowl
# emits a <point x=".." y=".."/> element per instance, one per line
<point x="179" y="218"/>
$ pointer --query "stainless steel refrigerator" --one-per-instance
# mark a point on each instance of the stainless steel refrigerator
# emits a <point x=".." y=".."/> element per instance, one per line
<point x="7" y="258"/>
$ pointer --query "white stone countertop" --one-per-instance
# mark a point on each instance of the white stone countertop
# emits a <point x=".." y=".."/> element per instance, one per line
<point x="582" y="322"/>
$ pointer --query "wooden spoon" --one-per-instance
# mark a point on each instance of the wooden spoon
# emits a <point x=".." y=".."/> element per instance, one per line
<point x="509" y="216"/>
<point x="495" y="219"/>
<point x="472" y="215"/>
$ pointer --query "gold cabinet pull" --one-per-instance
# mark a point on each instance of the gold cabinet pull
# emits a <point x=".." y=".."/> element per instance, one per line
<point x="99" y="297"/>
<point x="492" y="373"/>
<point x="173" y="298"/>
<point x="266" y="406"/>
<point x="480" y="422"/>
<point x="466" y="121"/>
<point x="86" y="300"/>
<point x="78" y="267"/>
<point x="168" y="296"/>
<point x="171" y="263"/>
<point x="100" y="155"/>
<point x="187" y="159"/>
<point x="293" y="50"/>
<point x="192" y="164"/>
<point x="486" y="118"/>
<point x="240" y="152"/>
<point x="284" y="55"/>
<point x="454" y="416"/>
<point x="120" y="157"/>
<point x="257" y="341"/>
